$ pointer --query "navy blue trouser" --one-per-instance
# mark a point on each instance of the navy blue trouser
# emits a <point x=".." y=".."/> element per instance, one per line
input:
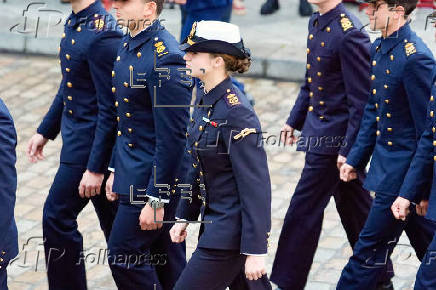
<point x="377" y="241"/>
<point x="142" y="259"/>
<point x="63" y="243"/>
<point x="426" y="277"/>
<point x="214" y="269"/>
<point x="303" y="221"/>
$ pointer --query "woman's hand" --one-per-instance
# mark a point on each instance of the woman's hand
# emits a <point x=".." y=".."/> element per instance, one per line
<point x="254" y="267"/>
<point x="178" y="232"/>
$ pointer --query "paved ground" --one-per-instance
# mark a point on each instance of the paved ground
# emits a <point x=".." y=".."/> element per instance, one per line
<point x="28" y="84"/>
<point x="277" y="42"/>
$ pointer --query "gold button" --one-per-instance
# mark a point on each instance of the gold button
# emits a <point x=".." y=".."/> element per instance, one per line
<point x="310" y="36"/>
<point x="126" y="84"/>
<point x="321" y="117"/>
<point x="389" y="129"/>
<point x="388" y="115"/>
<point x="114" y="89"/>
<point x="373" y="77"/>
<point x="79" y="29"/>
<point x="96" y="15"/>
<point x="116" y="104"/>
<point x="176" y="180"/>
<point x="118" y="119"/>
<point x="65" y="104"/>
<point x="131" y="68"/>
<point x="434" y="143"/>
<point x="431" y="98"/>
<point x="200" y="128"/>
<point x="125" y="44"/>
<point x="196" y="144"/>
<point x="194" y="165"/>
<point x="385" y="86"/>
<point x="392" y="57"/>
<point x="208" y="113"/>
<point x="119" y="133"/>
<point x="377" y="119"/>
<point x="189" y="151"/>
<point x="390" y="143"/>
<point x="311" y="94"/>
<point x="378" y="133"/>
<point x="63" y="35"/>
<point x="322" y="44"/>
<point x="70" y="112"/>
<point x="128" y="115"/>
<point x="308" y="51"/>
<point x="321" y="103"/>
<point x="376" y="105"/>
<point x="201" y="173"/>
<point x="67" y="56"/>
<point x="387" y="101"/>
<point x="173" y="191"/>
<point x="318" y="58"/>
<point x="126" y="100"/>
<point x="320" y="88"/>
<point x="118" y="58"/>
<point x="187" y="134"/>
<point x="374" y="63"/>
<point x="67" y="69"/>
<point x="73" y="41"/>
<point x="308" y="66"/>
<point x="388" y="71"/>
<point x="434" y="130"/>
<point x="431" y="114"/>
<point x="328" y="29"/>
<point x="70" y="85"/>
<point x="130" y="145"/>
<point x="113" y="74"/>
<point x="138" y="54"/>
<point x="70" y="98"/>
<point x="310" y="109"/>
<point x="374" y="91"/>
<point x="309" y="80"/>
<point x="434" y="158"/>
<point x="319" y="73"/>
<point x="130" y="130"/>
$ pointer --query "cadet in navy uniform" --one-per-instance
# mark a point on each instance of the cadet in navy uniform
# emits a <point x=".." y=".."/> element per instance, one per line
<point x="419" y="187"/>
<point x="393" y="121"/>
<point x="328" y="111"/>
<point x="83" y="111"/>
<point x="8" y="187"/>
<point x="229" y="175"/>
<point x="152" y="100"/>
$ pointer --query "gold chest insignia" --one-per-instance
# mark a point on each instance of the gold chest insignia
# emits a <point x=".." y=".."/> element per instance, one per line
<point x="409" y="48"/>
<point x="233" y="99"/>
<point x="346" y="23"/>
<point x="99" y="24"/>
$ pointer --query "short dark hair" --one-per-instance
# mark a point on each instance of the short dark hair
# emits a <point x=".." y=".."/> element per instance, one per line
<point x="159" y="6"/>
<point x="408" y="5"/>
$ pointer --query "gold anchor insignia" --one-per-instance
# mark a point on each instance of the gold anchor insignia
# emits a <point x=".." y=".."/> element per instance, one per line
<point x="191" y="34"/>
<point x="346" y="23"/>
<point x="233" y="99"/>
<point x="409" y="48"/>
<point x="244" y="132"/>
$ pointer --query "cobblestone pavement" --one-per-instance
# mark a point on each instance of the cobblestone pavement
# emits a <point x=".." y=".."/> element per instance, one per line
<point x="28" y="84"/>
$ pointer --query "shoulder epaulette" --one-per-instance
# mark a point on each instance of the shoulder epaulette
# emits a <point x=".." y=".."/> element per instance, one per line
<point x="231" y="98"/>
<point x="346" y="22"/>
<point x="160" y="47"/>
<point x="409" y="48"/>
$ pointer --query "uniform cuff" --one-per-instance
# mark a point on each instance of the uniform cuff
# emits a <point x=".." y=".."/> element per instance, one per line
<point x="152" y="198"/>
<point x="111" y="169"/>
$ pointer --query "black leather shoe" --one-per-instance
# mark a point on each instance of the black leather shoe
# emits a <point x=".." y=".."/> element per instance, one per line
<point x="269" y="7"/>
<point x="305" y="8"/>
<point x="385" y="286"/>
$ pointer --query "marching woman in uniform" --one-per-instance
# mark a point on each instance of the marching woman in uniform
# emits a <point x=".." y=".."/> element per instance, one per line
<point x="228" y="179"/>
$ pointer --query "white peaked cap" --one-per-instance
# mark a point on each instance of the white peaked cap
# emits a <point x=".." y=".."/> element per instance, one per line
<point x="217" y="30"/>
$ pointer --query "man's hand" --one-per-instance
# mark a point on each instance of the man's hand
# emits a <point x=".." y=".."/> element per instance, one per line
<point x="347" y="172"/>
<point x="287" y="135"/>
<point x="421" y="208"/>
<point x="110" y="195"/>
<point x="400" y="208"/>
<point x="90" y="184"/>
<point x="35" y="147"/>
<point x="254" y="267"/>
<point x="341" y="160"/>
<point x="178" y="232"/>
<point x="146" y="219"/>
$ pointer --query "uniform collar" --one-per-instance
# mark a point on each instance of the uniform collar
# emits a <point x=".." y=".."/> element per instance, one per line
<point x="325" y="19"/>
<point x="217" y="92"/>
<point x="386" y="44"/>
<point x="144" y="36"/>
<point x="84" y="14"/>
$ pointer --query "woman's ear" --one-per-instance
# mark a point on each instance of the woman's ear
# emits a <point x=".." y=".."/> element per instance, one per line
<point x="219" y="61"/>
